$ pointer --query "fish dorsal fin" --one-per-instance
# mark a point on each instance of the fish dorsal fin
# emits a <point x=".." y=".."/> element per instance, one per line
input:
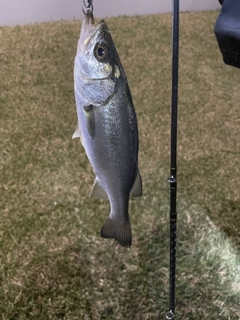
<point x="77" y="132"/>
<point x="137" y="185"/>
<point x="97" y="191"/>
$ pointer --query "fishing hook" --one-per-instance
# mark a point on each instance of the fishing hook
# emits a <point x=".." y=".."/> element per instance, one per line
<point x="89" y="9"/>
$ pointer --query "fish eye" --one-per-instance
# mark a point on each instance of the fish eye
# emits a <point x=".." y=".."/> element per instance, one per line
<point x="101" y="52"/>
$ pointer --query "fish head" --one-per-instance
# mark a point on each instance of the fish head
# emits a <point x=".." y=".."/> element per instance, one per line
<point x="96" y="57"/>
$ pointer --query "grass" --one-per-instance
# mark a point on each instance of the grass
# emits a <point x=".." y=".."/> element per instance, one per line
<point x="53" y="263"/>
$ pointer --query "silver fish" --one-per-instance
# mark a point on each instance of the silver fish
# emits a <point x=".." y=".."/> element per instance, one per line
<point x="107" y="126"/>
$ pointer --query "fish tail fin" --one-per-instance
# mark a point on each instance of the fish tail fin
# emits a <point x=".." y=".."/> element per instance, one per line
<point x="120" y="231"/>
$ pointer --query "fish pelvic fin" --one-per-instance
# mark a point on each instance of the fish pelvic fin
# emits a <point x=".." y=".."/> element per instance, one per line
<point x="77" y="133"/>
<point x="120" y="231"/>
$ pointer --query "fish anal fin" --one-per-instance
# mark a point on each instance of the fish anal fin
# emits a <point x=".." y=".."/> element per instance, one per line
<point x="120" y="231"/>
<point x="136" y="190"/>
<point x="97" y="191"/>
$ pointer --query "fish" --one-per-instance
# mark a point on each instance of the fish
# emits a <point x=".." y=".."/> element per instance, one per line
<point x="107" y="126"/>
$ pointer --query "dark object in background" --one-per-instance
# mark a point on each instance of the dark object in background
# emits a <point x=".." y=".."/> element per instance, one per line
<point x="227" y="31"/>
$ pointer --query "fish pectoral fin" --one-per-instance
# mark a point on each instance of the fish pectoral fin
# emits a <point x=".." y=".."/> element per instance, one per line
<point x="97" y="191"/>
<point x="136" y="190"/>
<point x="77" y="132"/>
<point x="120" y="231"/>
<point x="90" y="121"/>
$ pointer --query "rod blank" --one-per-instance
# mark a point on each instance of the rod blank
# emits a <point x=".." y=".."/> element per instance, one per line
<point x="173" y="160"/>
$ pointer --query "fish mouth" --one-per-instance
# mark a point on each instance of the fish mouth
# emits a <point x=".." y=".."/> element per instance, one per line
<point x="102" y="26"/>
<point x="89" y="17"/>
<point x="89" y="20"/>
<point x="90" y="31"/>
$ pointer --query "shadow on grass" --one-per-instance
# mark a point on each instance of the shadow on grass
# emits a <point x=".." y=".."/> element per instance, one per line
<point x="92" y="279"/>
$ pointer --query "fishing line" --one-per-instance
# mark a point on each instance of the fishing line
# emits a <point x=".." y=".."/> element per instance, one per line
<point x="173" y="160"/>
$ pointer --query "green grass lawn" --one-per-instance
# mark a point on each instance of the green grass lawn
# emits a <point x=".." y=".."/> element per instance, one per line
<point x="53" y="263"/>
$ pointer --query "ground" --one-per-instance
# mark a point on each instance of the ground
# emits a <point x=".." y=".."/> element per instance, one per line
<point x="53" y="263"/>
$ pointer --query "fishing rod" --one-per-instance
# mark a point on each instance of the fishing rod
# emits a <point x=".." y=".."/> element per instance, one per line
<point x="173" y="160"/>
